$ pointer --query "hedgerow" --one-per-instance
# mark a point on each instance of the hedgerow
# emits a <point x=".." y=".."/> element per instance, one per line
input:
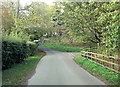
<point x="15" y="50"/>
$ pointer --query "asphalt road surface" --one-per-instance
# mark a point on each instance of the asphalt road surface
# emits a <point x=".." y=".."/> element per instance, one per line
<point x="59" y="68"/>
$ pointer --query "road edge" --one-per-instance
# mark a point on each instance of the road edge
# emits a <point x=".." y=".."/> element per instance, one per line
<point x="25" y="80"/>
<point x="93" y="74"/>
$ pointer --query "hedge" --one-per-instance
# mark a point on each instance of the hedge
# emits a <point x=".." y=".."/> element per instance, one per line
<point x="15" y="50"/>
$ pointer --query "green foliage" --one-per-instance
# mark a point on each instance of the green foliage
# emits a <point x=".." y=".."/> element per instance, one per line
<point x="110" y="19"/>
<point x="33" y="19"/>
<point x="93" y="49"/>
<point x="61" y="48"/>
<point x="7" y="18"/>
<point x="96" y="22"/>
<point x="15" y="50"/>
<point x="31" y="48"/>
<point x="38" y="21"/>
<point x="108" y="75"/>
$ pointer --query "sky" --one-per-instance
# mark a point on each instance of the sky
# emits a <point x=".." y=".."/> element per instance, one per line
<point x="27" y="2"/>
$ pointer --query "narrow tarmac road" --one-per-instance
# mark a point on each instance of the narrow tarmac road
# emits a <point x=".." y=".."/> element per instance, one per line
<point x="58" y="68"/>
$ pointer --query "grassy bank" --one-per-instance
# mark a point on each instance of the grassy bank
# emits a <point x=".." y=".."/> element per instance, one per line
<point x="104" y="73"/>
<point x="61" y="48"/>
<point x="18" y="72"/>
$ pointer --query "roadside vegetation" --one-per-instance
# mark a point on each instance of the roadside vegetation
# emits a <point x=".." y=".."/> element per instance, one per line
<point x="18" y="72"/>
<point x="90" y="23"/>
<point x="20" y="27"/>
<point x="15" y="50"/>
<point x="61" y="48"/>
<point x="65" y="26"/>
<point x="104" y="73"/>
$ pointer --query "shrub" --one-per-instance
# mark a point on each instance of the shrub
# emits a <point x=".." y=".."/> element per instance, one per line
<point x="15" y="50"/>
<point x="31" y="48"/>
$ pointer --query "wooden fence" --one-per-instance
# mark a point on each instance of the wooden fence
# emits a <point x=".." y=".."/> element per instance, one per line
<point x="109" y="62"/>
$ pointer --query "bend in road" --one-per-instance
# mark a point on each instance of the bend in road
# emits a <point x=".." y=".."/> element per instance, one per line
<point x="58" y="68"/>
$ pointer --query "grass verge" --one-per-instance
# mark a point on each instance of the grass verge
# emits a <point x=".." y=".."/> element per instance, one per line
<point x="18" y="72"/>
<point x="104" y="73"/>
<point x="61" y="48"/>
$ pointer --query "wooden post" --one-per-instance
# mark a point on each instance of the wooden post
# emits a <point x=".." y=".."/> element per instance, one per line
<point x="103" y="61"/>
<point x="118" y="65"/>
<point x="113" y="64"/>
<point x="96" y="57"/>
<point x="87" y="54"/>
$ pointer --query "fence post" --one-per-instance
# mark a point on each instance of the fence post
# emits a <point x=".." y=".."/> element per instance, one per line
<point x="87" y="54"/>
<point x="96" y="57"/>
<point x="91" y="56"/>
<point x="113" y="64"/>
<point x="103" y="61"/>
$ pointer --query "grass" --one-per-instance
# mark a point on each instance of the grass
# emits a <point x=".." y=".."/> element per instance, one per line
<point x="61" y="48"/>
<point x="18" y="72"/>
<point x="106" y="74"/>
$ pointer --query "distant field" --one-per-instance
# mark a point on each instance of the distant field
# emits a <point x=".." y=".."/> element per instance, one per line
<point x="61" y="48"/>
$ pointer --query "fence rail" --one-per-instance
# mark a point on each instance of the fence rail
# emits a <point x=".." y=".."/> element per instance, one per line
<point x="109" y="62"/>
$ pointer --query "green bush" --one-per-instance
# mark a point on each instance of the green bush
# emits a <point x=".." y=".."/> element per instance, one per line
<point x="31" y="48"/>
<point x="15" y="50"/>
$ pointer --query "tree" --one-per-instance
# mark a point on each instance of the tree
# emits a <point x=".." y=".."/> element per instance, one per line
<point x="96" y="22"/>
<point x="38" y="19"/>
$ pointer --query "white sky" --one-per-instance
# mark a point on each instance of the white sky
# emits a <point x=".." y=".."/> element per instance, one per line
<point x="27" y="2"/>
